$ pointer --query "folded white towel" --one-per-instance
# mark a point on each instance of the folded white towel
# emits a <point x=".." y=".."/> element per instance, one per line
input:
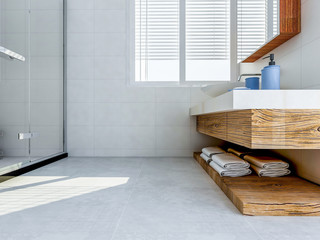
<point x="205" y="157"/>
<point x="209" y="151"/>
<point x="262" y="172"/>
<point x="230" y="162"/>
<point x="229" y="173"/>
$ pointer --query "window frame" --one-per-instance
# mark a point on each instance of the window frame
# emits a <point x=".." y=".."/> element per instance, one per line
<point x="234" y="66"/>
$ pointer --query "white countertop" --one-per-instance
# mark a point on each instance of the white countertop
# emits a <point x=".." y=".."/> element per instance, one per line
<point x="259" y="99"/>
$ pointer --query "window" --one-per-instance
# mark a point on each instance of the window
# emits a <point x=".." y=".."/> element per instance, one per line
<point x="182" y="40"/>
<point x="195" y="41"/>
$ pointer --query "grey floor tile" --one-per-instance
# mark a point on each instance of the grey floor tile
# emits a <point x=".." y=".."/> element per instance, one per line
<point x="285" y="225"/>
<point x="132" y="198"/>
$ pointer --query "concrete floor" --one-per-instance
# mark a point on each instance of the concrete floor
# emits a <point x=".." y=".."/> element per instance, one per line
<point x="132" y="198"/>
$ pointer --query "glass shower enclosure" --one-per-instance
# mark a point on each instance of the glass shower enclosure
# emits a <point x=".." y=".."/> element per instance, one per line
<point x="31" y="81"/>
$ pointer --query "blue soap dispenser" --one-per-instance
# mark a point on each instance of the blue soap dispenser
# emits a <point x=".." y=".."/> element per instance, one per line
<point x="270" y="75"/>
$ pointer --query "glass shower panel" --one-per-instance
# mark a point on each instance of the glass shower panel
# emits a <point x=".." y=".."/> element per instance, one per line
<point x="46" y="77"/>
<point x="14" y="82"/>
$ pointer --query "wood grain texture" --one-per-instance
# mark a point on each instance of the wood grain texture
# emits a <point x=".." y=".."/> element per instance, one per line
<point x="239" y="127"/>
<point x="268" y="47"/>
<point x="268" y="128"/>
<point x="290" y="16"/>
<point x="214" y="125"/>
<point x="285" y="129"/>
<point x="290" y="26"/>
<point x="255" y="196"/>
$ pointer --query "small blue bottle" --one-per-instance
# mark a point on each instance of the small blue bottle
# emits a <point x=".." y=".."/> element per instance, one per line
<point x="270" y="75"/>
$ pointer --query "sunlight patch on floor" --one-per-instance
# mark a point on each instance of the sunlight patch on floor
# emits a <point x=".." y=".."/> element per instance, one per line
<point x="26" y="192"/>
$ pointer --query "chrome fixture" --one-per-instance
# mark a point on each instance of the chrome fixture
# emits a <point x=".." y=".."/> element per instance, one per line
<point x="11" y="54"/>
<point x="247" y="75"/>
<point x="23" y="136"/>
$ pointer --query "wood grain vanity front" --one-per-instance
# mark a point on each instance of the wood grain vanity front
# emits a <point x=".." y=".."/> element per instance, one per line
<point x="265" y="128"/>
<point x="286" y="129"/>
<point x="214" y="125"/>
<point x="239" y="127"/>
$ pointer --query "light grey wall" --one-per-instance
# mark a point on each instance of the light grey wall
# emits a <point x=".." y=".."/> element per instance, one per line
<point x="300" y="65"/>
<point x="106" y="116"/>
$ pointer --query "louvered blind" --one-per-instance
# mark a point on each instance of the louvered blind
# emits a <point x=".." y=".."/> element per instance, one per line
<point x="251" y="26"/>
<point x="207" y="29"/>
<point x="207" y="40"/>
<point x="157" y="29"/>
<point x="157" y="40"/>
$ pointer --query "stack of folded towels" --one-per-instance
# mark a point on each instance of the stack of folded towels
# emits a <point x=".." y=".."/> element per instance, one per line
<point x="226" y="164"/>
<point x="264" y="166"/>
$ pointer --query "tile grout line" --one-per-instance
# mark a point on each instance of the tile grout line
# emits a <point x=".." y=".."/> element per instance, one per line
<point x="254" y="230"/>
<point x="126" y="205"/>
<point x="190" y="124"/>
<point x="94" y="81"/>
<point x="155" y="123"/>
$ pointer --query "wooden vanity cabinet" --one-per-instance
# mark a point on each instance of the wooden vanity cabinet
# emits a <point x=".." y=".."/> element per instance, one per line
<point x="265" y="128"/>
<point x="214" y="125"/>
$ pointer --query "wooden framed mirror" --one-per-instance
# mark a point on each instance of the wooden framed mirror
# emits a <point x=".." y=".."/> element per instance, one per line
<point x="288" y="13"/>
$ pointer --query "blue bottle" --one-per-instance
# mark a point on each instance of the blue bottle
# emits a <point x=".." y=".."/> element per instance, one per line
<point x="270" y="75"/>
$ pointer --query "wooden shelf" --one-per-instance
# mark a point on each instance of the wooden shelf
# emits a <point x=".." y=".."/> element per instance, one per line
<point x="265" y="128"/>
<point x="290" y="26"/>
<point x="255" y="196"/>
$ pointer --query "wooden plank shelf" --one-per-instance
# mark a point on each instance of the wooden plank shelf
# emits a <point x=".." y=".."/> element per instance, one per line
<point x="263" y="196"/>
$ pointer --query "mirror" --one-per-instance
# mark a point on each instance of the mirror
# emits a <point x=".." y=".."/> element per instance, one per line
<point x="256" y="39"/>
<point x="257" y="24"/>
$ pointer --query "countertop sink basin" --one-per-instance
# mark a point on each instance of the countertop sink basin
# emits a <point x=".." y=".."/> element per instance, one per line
<point x="259" y="99"/>
<point x="218" y="89"/>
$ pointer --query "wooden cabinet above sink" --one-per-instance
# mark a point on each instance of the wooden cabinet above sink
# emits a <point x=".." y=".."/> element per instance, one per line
<point x="265" y="128"/>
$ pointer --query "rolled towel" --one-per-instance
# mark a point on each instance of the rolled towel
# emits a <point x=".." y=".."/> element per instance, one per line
<point x="205" y="157"/>
<point x="238" y="153"/>
<point x="230" y="161"/>
<point x="209" y="151"/>
<point x="262" y="172"/>
<point x="229" y="173"/>
<point x="266" y="162"/>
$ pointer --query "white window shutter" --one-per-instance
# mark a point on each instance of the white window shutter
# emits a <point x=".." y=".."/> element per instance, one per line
<point x="207" y="40"/>
<point x="156" y="38"/>
<point x="207" y="29"/>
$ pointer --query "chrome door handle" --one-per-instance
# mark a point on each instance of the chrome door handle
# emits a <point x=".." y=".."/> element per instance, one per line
<point x="11" y="54"/>
<point x="22" y="136"/>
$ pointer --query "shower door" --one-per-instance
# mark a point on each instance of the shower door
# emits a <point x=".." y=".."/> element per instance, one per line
<point x="14" y="81"/>
<point x="31" y="81"/>
<point x="46" y="78"/>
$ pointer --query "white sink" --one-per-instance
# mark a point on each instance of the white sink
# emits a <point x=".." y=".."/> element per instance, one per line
<point x="218" y="89"/>
<point x="259" y="99"/>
